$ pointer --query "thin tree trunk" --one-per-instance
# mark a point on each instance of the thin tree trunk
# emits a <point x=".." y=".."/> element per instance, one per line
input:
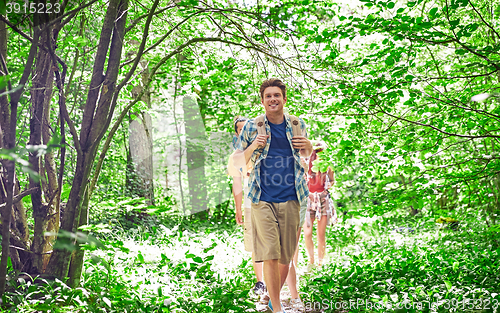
<point x="76" y="265"/>
<point x="40" y="95"/>
<point x="52" y="187"/>
<point x="4" y="101"/>
<point x="9" y="166"/>
<point x="195" y="155"/>
<point x="10" y="143"/>
<point x="95" y="117"/>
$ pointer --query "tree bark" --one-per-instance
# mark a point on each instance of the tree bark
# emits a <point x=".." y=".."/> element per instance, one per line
<point x="10" y="143"/>
<point x="141" y="156"/>
<point x="95" y="117"/>
<point x="76" y="265"/>
<point x="41" y="94"/>
<point x="4" y="101"/>
<point x="195" y="155"/>
<point x="141" y="145"/>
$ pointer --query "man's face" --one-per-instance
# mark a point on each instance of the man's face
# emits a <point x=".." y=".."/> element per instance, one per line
<point x="273" y="100"/>
<point x="239" y="127"/>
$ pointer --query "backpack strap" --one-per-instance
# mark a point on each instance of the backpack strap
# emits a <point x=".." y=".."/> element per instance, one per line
<point x="296" y="131"/>
<point x="261" y="126"/>
<point x="261" y="130"/>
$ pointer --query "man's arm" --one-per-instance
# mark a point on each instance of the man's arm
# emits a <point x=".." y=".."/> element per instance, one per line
<point x="307" y="150"/>
<point x="245" y="149"/>
<point x="238" y="197"/>
<point x="259" y="142"/>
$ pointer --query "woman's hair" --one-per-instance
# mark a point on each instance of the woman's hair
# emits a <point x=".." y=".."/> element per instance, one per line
<point x="318" y="147"/>
<point x="238" y="119"/>
<point x="312" y="158"/>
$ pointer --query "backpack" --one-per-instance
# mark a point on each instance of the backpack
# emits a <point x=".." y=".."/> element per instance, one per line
<point x="261" y="126"/>
<point x="261" y="130"/>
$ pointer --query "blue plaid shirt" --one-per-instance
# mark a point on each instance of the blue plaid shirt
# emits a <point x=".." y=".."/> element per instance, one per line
<point x="248" y="135"/>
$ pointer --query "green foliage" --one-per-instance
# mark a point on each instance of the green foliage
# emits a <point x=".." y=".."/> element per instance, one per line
<point x="120" y="279"/>
<point x="409" y="265"/>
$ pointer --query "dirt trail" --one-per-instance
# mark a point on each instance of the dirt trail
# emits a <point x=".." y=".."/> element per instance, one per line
<point x="285" y="300"/>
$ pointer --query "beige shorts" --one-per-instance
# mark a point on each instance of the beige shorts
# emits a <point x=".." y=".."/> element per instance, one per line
<point x="275" y="227"/>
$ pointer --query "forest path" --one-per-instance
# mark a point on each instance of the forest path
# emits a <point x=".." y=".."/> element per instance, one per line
<point x="261" y="305"/>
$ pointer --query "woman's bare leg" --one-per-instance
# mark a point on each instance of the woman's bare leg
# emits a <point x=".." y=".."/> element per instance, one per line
<point x="309" y="241"/>
<point x="321" y="239"/>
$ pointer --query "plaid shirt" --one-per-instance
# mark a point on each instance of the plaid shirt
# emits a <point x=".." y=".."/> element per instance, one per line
<point x="248" y="135"/>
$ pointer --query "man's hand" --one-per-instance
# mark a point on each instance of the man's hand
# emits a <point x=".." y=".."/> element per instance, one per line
<point x="239" y="216"/>
<point x="260" y="141"/>
<point x="303" y="144"/>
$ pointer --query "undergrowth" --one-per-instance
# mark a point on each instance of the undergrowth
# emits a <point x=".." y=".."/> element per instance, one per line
<point x="169" y="263"/>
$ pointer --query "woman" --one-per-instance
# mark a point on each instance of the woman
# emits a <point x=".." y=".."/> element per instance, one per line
<point x="240" y="184"/>
<point x="319" y="206"/>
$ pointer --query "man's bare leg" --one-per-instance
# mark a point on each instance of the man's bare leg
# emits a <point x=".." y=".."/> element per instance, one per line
<point x="257" y="268"/>
<point x="291" y="279"/>
<point x="275" y="276"/>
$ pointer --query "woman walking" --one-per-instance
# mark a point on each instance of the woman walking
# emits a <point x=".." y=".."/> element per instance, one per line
<point x="320" y="205"/>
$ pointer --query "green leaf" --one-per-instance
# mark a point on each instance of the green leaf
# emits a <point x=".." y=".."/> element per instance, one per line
<point x="140" y="258"/>
<point x="4" y="80"/>
<point x="448" y="285"/>
<point x="390" y="5"/>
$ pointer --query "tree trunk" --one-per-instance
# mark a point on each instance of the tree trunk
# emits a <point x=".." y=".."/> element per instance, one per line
<point x="76" y="265"/>
<point x="141" y="145"/>
<point x="195" y="144"/>
<point x="41" y="94"/>
<point x="52" y="188"/>
<point x="141" y="156"/>
<point x="95" y="116"/>
<point x="4" y="101"/>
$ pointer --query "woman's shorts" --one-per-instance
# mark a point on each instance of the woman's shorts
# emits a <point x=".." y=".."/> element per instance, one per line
<point x="318" y="201"/>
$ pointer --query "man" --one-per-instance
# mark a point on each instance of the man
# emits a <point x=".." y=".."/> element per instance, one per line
<point x="277" y="185"/>
<point x="240" y="175"/>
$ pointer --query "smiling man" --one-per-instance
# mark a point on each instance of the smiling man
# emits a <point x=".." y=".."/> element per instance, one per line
<point x="277" y="185"/>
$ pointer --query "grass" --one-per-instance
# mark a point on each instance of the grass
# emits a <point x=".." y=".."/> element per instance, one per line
<point x="420" y="268"/>
<point x="379" y="264"/>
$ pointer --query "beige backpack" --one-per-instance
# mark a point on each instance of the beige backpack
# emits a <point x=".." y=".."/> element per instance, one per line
<point x="261" y="126"/>
<point x="296" y="131"/>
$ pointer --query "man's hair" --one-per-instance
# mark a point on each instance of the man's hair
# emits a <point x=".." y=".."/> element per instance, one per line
<point x="273" y="82"/>
<point x="238" y="119"/>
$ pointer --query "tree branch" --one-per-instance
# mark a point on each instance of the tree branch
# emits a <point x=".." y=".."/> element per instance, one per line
<point x="19" y="196"/>
<point x="69" y="13"/>
<point x="136" y="21"/>
<point x="482" y="19"/>
<point x="138" y="57"/>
